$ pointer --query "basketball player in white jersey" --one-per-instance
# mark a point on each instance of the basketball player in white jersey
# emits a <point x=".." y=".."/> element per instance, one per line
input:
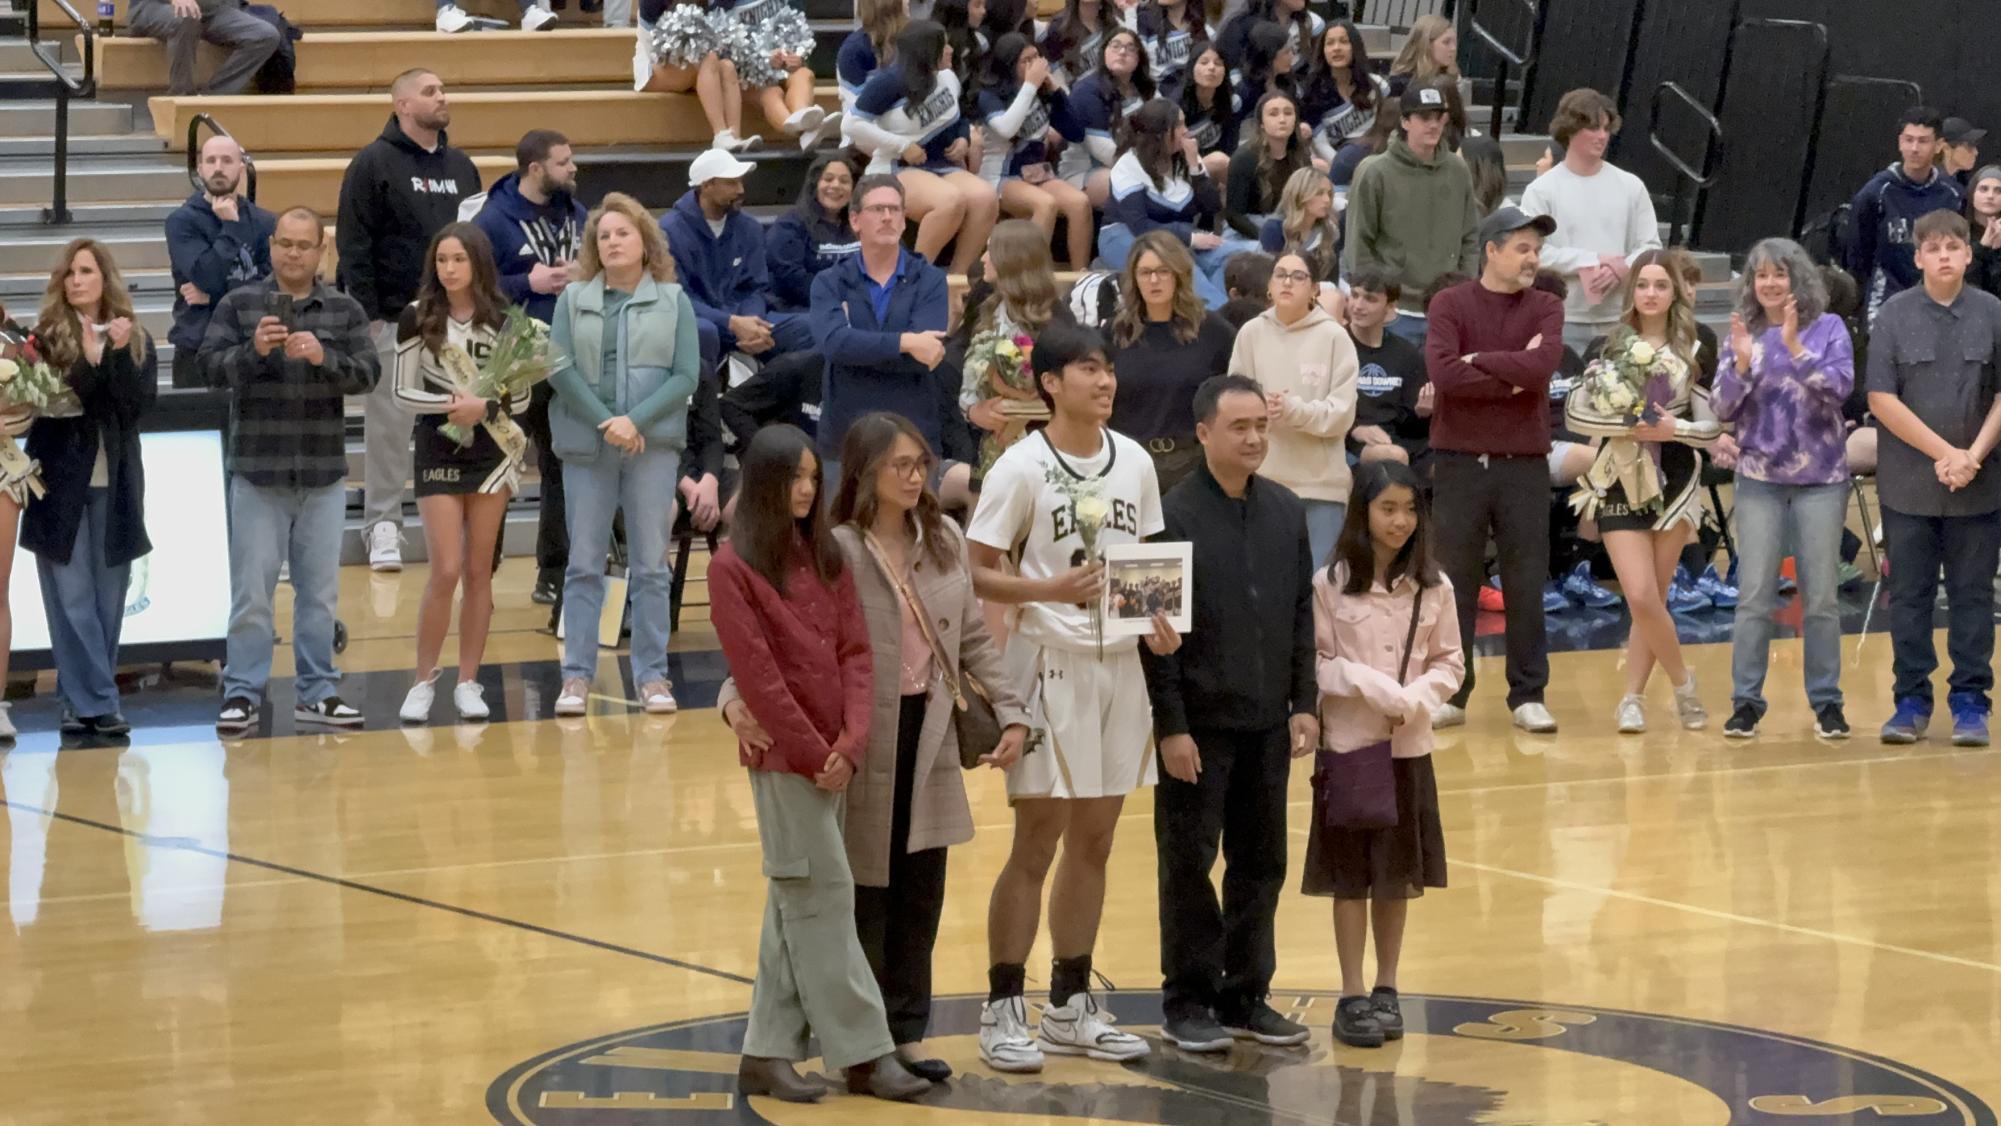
<point x="1087" y="694"/>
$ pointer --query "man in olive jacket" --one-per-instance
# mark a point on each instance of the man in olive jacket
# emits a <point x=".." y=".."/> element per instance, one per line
<point x="1411" y="210"/>
<point x="1231" y="709"/>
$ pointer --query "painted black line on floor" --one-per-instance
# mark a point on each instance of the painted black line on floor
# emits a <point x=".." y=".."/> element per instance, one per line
<point x="371" y="889"/>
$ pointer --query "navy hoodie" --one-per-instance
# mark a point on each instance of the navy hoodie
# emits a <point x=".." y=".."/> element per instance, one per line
<point x="1880" y="228"/>
<point x="526" y="235"/>
<point x="217" y="257"/>
<point x="723" y="277"/>
<point x="803" y="242"/>
<point x="394" y="197"/>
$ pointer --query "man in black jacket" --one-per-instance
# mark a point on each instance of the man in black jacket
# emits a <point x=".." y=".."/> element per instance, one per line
<point x="400" y="190"/>
<point x="1244" y="673"/>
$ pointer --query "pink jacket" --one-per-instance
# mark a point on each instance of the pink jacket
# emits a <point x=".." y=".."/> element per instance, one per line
<point x="1359" y="639"/>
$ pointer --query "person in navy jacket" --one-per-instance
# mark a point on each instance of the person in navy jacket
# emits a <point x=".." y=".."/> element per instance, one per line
<point x="216" y="241"/>
<point x="1880" y="252"/>
<point x="1027" y="114"/>
<point x="719" y="255"/>
<point x="879" y="318"/>
<point x="814" y="235"/>
<point x="533" y="221"/>
<point x="1160" y="182"/>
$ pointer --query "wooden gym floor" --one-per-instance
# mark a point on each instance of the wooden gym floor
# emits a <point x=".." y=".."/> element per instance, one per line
<point x="554" y="922"/>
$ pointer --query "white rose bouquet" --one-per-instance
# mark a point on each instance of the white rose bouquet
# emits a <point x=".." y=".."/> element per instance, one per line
<point x="1088" y="510"/>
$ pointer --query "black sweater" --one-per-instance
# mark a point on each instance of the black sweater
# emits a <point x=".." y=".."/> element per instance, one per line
<point x="115" y="392"/>
<point x="393" y="198"/>
<point x="1243" y="194"/>
<point x="1158" y="375"/>
<point x="1247" y="663"/>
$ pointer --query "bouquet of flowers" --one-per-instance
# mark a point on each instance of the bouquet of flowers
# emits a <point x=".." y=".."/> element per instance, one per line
<point x="1627" y="380"/>
<point x="1088" y="512"/>
<point x="27" y="380"/>
<point x="1630" y="382"/>
<point x="521" y="358"/>
<point x="997" y="367"/>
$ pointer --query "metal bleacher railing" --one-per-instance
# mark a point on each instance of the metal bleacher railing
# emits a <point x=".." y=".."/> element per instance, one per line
<point x="1400" y="14"/>
<point x="63" y="88"/>
<point x="1509" y="58"/>
<point x="195" y="142"/>
<point x="1689" y="179"/>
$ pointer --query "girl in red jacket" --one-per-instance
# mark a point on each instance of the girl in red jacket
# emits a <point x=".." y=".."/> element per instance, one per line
<point x="791" y="627"/>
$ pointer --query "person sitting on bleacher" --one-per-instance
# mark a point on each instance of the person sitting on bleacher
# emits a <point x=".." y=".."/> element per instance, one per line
<point x="768" y="46"/>
<point x="452" y="18"/>
<point x="868" y="47"/>
<point x="1027" y="115"/>
<point x="1303" y="28"/>
<point x="1160" y="182"/>
<point x="216" y="241"/>
<point x="719" y="255"/>
<point x="680" y="51"/>
<point x="707" y="485"/>
<point x="184" y="24"/>
<point x="1113" y="92"/>
<point x="814" y="235"/>
<point x="1211" y="109"/>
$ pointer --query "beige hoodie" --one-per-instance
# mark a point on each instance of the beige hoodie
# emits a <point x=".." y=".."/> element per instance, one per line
<point x="1313" y="361"/>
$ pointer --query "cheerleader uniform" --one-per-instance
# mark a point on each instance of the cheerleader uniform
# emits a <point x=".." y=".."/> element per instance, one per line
<point x="1604" y="492"/>
<point x="441" y="465"/>
<point x="1335" y="119"/>
<point x="1170" y="49"/>
<point x="1139" y="205"/>
<point x="751" y="30"/>
<point x="1021" y="120"/>
<point x="884" y="122"/>
<point x="1097" y="104"/>
<point x="1215" y="128"/>
<point x="19" y="473"/>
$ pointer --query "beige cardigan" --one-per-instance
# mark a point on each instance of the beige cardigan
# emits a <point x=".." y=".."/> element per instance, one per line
<point x="939" y="814"/>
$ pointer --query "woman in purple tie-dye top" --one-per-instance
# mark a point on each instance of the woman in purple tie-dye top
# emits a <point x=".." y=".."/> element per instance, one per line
<point x="1786" y="369"/>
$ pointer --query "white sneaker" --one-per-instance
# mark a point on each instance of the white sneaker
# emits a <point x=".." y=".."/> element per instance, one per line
<point x="7" y="721"/>
<point x="471" y="700"/>
<point x="574" y="698"/>
<point x="1082" y="1028"/>
<point x="830" y="126"/>
<point x="803" y="120"/>
<point x="1448" y="715"/>
<point x="725" y="140"/>
<point x="1631" y="715"/>
<point x="385" y="540"/>
<point x="1688" y="705"/>
<point x="417" y="704"/>
<point x="1005" y="1044"/>
<point x="1535" y="718"/>
<point x="538" y="18"/>
<point x="453" y="19"/>
<point x="658" y="698"/>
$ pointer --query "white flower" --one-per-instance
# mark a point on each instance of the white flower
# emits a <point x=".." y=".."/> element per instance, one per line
<point x="1641" y="353"/>
<point x="1092" y="511"/>
<point x="8" y="370"/>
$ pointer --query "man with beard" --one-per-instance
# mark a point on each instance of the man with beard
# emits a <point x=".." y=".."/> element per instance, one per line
<point x="398" y="192"/>
<point x="1231" y="709"/>
<point x="1604" y="216"/>
<point x="216" y="241"/>
<point x="719" y="257"/>
<point x="535" y="223"/>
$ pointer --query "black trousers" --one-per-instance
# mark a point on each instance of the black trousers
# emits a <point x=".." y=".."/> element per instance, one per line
<point x="898" y="924"/>
<point x="1965" y="547"/>
<point x="1222" y="957"/>
<point x="552" y="535"/>
<point x="1505" y="499"/>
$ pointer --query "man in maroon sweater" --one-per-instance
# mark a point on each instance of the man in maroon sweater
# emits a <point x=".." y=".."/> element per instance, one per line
<point x="1494" y="343"/>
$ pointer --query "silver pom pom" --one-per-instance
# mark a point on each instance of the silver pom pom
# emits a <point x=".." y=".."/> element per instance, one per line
<point x="787" y="31"/>
<point x="684" y="36"/>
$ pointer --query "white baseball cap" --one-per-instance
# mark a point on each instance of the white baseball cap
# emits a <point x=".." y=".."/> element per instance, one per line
<point x="716" y="164"/>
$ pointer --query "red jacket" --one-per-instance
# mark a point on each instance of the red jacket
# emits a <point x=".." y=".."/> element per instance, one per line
<point x="1499" y="403"/>
<point x="801" y="660"/>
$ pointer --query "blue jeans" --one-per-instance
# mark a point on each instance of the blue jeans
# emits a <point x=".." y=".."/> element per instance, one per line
<point x="1323" y="527"/>
<point x="268" y="526"/>
<point x="1965" y="547"/>
<point x="1768" y="517"/>
<point x="85" y="603"/>
<point x="593" y="493"/>
<point x="1115" y="244"/>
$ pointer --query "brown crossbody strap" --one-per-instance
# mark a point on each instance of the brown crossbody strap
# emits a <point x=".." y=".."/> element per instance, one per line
<point x="917" y="608"/>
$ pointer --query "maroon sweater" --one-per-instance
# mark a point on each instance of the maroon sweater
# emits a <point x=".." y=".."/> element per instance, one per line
<point x="801" y="660"/>
<point x="1499" y="403"/>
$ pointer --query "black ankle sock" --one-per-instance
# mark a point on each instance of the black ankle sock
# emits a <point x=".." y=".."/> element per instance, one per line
<point x="1069" y="977"/>
<point x="1006" y="979"/>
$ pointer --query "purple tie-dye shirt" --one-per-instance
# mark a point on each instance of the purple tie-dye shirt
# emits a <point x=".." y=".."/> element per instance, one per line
<point x="1788" y="413"/>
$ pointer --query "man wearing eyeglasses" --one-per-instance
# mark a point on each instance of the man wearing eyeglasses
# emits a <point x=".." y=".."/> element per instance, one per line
<point x="879" y="318"/>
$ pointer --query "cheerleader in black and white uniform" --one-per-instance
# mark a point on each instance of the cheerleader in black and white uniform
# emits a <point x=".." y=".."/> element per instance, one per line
<point x="19" y="481"/>
<point x="768" y="41"/>
<point x="680" y="50"/>
<point x="462" y="490"/>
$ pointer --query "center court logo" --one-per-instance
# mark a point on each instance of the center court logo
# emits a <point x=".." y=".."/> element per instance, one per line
<point x="1464" y="1061"/>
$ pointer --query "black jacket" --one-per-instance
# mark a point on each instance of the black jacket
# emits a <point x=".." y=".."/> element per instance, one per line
<point x="394" y="197"/>
<point x="115" y="392"/>
<point x="1247" y="662"/>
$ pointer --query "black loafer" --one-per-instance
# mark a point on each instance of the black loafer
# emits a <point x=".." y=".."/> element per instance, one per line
<point x="936" y="1071"/>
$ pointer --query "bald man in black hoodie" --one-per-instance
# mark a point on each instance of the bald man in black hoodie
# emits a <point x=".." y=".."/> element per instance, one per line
<point x="399" y="191"/>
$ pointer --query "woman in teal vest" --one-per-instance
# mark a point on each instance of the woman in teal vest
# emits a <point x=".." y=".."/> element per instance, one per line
<point x="628" y="364"/>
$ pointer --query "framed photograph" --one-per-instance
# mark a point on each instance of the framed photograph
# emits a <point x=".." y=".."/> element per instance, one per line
<point x="1144" y="579"/>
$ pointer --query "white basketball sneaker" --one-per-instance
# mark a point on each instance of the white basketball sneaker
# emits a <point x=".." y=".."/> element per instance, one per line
<point x="1005" y="1043"/>
<point x="1082" y="1028"/>
<point x="452" y="19"/>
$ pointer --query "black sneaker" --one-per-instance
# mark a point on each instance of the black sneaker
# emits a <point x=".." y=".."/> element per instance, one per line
<point x="548" y="588"/>
<point x="1389" y="1015"/>
<point x="111" y="723"/>
<point x="1742" y="724"/>
<point x="1264" y="1024"/>
<point x="238" y="714"/>
<point x="1829" y="723"/>
<point x="332" y="711"/>
<point x="1195" y="1032"/>
<point x="1355" y="1023"/>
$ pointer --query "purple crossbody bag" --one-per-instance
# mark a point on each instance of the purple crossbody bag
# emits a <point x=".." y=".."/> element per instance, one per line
<point x="1358" y="788"/>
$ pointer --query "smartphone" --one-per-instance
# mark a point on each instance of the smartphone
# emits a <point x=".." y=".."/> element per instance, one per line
<point x="279" y="305"/>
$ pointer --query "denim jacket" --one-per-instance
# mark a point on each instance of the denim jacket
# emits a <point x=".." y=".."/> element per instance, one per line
<point x="659" y="360"/>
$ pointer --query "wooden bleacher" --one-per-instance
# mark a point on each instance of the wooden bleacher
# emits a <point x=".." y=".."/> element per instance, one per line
<point x="362" y="61"/>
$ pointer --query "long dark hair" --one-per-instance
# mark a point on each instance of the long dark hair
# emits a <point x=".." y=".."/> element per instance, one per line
<point x="764" y="532"/>
<point x="809" y="193"/>
<point x="1357" y="549"/>
<point x="1066" y="33"/>
<point x="1142" y="75"/>
<point x="998" y="74"/>
<point x="959" y="34"/>
<point x="1272" y="174"/>
<point x="434" y="308"/>
<point x="1261" y="50"/>
<point x="919" y="47"/>
<point x="1150" y="136"/>
<point x="863" y="452"/>
<point x="1004" y="16"/>
<point x="1321" y="84"/>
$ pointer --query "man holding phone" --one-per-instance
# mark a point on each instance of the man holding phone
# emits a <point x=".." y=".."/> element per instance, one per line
<point x="289" y="350"/>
